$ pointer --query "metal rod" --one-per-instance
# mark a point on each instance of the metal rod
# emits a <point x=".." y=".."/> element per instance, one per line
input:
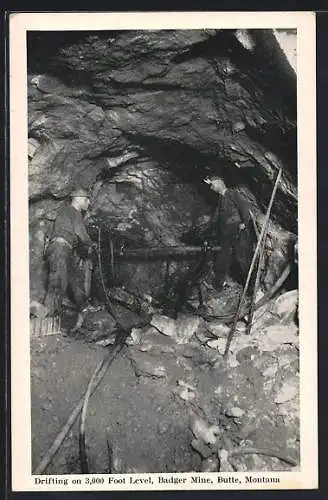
<point x="258" y="275"/>
<point x="256" y="285"/>
<point x="163" y="252"/>
<point x="266" y="221"/>
<point x="254" y="224"/>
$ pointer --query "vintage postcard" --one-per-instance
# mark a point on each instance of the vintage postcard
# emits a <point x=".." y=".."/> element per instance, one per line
<point x="163" y="251"/>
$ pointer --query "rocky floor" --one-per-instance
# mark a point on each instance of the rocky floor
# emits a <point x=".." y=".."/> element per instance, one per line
<point x="170" y="402"/>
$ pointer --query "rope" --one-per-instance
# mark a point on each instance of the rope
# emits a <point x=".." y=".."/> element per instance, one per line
<point x="260" y="451"/>
<point x="82" y="405"/>
<point x="92" y="386"/>
<point x="95" y="380"/>
<point x="101" y="368"/>
<point x="108" y="304"/>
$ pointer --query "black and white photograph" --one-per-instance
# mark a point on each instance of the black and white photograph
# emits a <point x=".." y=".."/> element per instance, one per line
<point x="165" y="327"/>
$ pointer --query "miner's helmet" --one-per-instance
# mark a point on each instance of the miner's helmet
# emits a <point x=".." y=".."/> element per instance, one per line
<point x="80" y="193"/>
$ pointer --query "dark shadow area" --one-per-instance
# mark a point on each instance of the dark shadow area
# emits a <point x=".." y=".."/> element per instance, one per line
<point x="43" y="45"/>
<point x="190" y="165"/>
<point x="283" y="143"/>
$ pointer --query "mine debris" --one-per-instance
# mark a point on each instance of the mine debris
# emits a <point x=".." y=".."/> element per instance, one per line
<point x="40" y="324"/>
<point x="210" y="464"/>
<point x="202" y="430"/>
<point x="199" y="446"/>
<point x="181" y="329"/>
<point x="288" y="391"/>
<point x="145" y="365"/>
<point x="42" y="327"/>
<point x="286" y="305"/>
<point x="186" y="391"/>
<point x="235" y="412"/>
<point x="38" y="310"/>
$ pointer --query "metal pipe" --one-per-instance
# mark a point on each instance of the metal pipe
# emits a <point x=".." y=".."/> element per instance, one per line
<point x="163" y="252"/>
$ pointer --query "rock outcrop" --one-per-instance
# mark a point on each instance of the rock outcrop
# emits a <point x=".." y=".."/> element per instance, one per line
<point x="141" y="117"/>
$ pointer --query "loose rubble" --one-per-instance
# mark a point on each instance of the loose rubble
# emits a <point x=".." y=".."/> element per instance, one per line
<point x="266" y="357"/>
<point x="248" y="401"/>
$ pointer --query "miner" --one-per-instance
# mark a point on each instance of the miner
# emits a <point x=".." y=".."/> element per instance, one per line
<point x="68" y="239"/>
<point x="231" y="225"/>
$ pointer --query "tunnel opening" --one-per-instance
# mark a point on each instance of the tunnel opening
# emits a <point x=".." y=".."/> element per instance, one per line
<point x="140" y="119"/>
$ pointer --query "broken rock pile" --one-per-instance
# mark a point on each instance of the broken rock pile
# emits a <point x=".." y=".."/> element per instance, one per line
<point x="249" y="403"/>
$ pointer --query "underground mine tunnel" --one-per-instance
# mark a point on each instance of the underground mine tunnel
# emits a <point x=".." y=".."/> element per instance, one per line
<point x="140" y="119"/>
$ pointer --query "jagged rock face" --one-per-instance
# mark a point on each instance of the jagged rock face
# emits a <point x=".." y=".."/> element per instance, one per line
<point x="140" y="117"/>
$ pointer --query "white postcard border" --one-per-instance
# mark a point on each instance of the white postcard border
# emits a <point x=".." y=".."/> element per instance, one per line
<point x="22" y="479"/>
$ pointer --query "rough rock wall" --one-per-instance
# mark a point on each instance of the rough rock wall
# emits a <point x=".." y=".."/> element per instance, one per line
<point x="140" y="117"/>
